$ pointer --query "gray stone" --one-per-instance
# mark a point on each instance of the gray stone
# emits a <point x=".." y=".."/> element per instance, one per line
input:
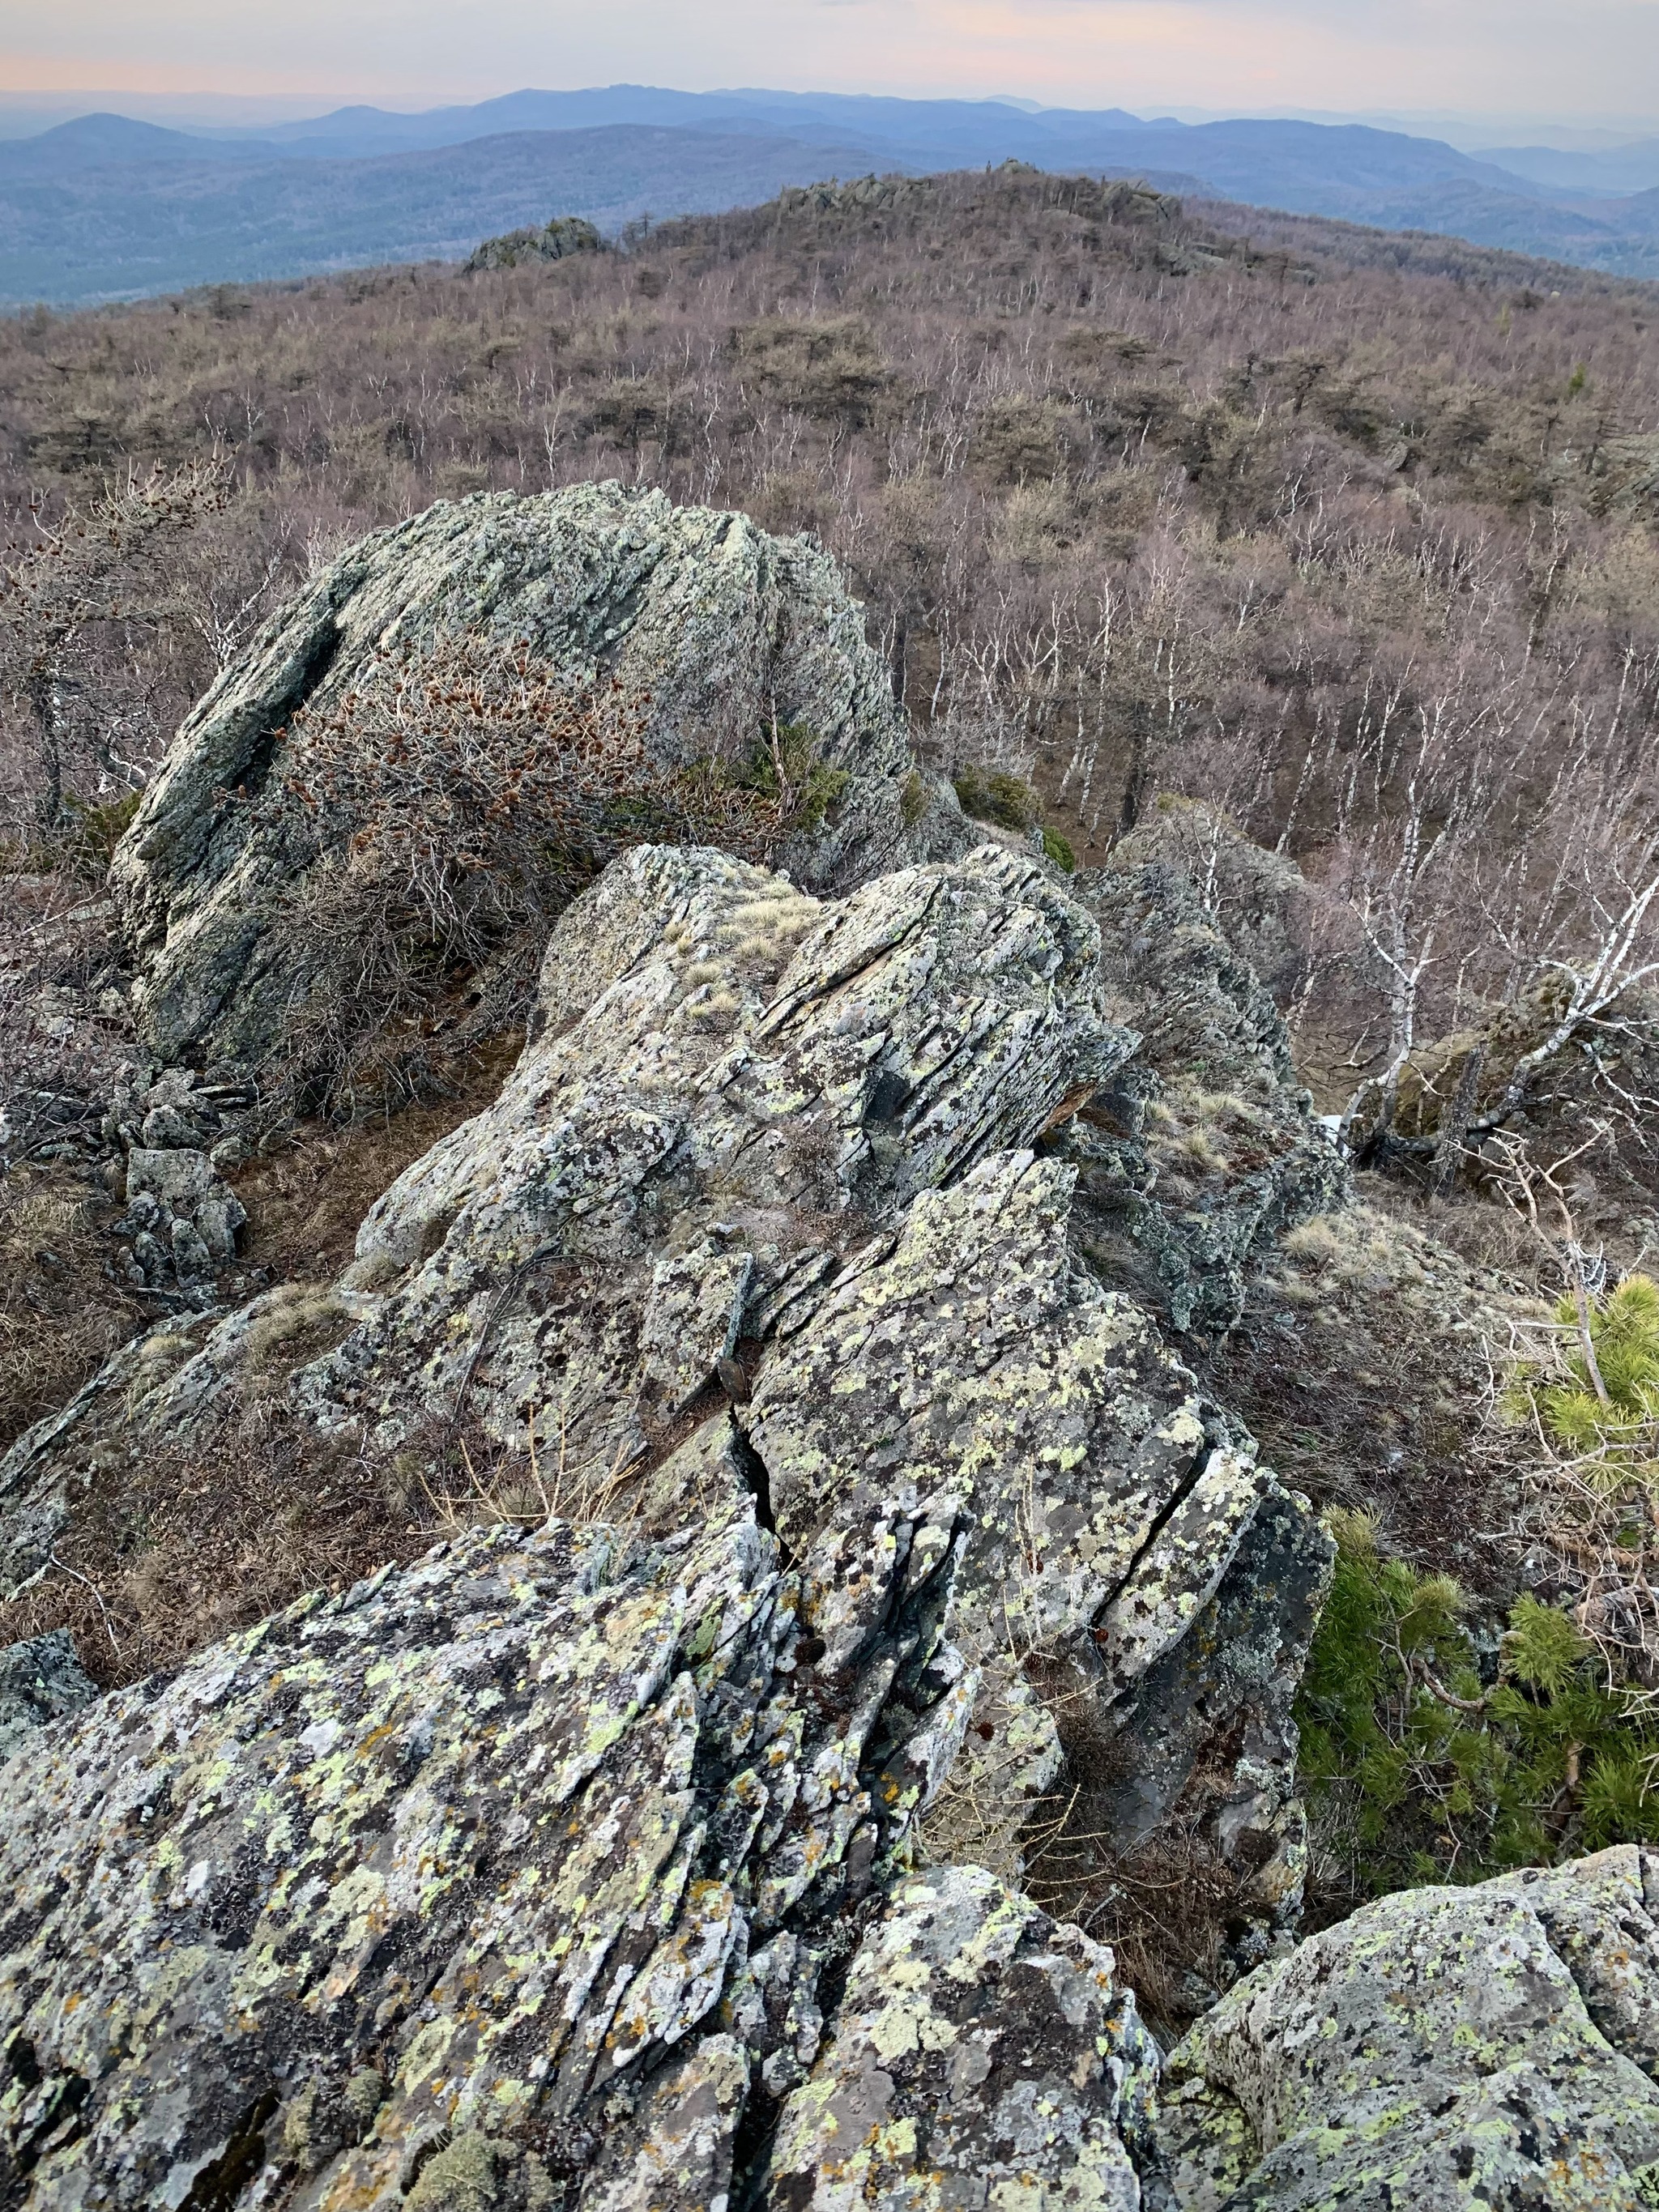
<point x="692" y="1315"/>
<point x="459" y="1865"/>
<point x="1207" y="1150"/>
<point x="1116" y="1530"/>
<point x="41" y="1680"/>
<point x="552" y="241"/>
<point x="180" y="1195"/>
<point x="1493" y="2046"/>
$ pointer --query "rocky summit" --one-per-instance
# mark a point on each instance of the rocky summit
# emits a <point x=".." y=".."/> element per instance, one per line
<point x="847" y="1538"/>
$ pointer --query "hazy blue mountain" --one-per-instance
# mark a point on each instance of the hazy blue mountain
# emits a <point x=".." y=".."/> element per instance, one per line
<point x="105" y="206"/>
<point x="102" y="141"/>
<point x="969" y="131"/>
<point x="1632" y="168"/>
<point x="162" y="226"/>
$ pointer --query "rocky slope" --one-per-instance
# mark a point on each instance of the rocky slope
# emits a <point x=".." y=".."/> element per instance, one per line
<point x="787" y="1365"/>
<point x="758" y="1212"/>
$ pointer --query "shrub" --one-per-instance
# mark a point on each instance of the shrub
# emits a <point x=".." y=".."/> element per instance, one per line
<point x="831" y="370"/>
<point x="1426" y="1774"/>
<point x="784" y="769"/>
<point x="439" y="815"/>
<point x="61" y="1313"/>
<point x="1591" y="1401"/>
<point x="993" y="795"/>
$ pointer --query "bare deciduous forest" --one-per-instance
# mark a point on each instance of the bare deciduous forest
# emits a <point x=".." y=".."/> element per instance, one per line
<point x="1352" y="536"/>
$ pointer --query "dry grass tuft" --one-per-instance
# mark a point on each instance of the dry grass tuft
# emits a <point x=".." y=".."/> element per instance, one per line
<point x="61" y="1315"/>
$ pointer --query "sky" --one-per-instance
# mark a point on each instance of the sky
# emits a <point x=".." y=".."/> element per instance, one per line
<point x="1590" y="60"/>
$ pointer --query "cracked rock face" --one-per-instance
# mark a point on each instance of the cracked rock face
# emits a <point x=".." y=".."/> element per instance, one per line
<point x="957" y="2071"/>
<point x="724" y="628"/>
<point x="472" y="1863"/>
<point x="1490" y="2046"/>
<point x="758" y="1213"/>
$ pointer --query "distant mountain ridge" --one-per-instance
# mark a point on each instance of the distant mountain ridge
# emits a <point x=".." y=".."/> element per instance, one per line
<point x="108" y="207"/>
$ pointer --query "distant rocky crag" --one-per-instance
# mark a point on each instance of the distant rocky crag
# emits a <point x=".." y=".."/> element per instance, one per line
<point x="563" y="236"/>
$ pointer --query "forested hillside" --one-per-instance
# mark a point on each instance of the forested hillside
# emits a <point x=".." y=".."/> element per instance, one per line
<point x="1351" y="536"/>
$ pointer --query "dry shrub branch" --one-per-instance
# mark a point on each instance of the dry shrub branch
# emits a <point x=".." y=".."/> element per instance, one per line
<point x="441" y="813"/>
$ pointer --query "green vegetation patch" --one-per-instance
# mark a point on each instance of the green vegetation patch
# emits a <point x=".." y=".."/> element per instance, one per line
<point x="1423" y="1765"/>
<point x="785" y="769"/>
<point x="993" y="795"/>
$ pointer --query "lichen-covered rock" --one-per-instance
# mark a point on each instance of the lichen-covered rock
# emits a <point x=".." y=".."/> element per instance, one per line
<point x="181" y="1215"/>
<point x="1121" y="1543"/>
<point x="41" y="1680"/>
<point x="980" y="2055"/>
<point x="739" y="1071"/>
<point x="776" y="1154"/>
<point x="460" y="1867"/>
<point x="1495" y="2047"/>
<point x="723" y="629"/>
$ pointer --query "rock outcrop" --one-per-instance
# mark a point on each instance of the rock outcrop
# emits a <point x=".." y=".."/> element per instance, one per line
<point x="520" y="1877"/>
<point x="955" y="2070"/>
<point x="763" y="1211"/>
<point x="724" y="633"/>
<point x="1490" y="2046"/>
<point x="551" y="241"/>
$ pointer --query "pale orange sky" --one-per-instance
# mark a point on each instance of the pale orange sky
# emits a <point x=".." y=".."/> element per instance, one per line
<point x="1569" y="58"/>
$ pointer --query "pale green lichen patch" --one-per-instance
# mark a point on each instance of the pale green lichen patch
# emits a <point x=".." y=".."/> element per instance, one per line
<point x="451" y="1864"/>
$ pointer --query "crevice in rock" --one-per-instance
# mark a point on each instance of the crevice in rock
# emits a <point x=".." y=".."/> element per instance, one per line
<point x="758" y="1481"/>
<point x="751" y="2150"/>
<point x="280" y="712"/>
<point x="223" y="2179"/>
<point x="1161" y="1520"/>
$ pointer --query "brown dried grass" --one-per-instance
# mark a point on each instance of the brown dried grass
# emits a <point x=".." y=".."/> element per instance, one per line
<point x="60" y="1314"/>
<point x="178" y="1548"/>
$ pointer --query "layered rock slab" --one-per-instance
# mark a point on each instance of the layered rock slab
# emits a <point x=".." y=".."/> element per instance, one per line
<point x="1496" y="2046"/>
<point x="724" y="631"/>
<point x="476" y="1852"/>
<point x="514" y="1879"/>
<point x="1123" y="1549"/>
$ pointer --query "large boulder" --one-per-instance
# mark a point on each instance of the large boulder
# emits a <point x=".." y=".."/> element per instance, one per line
<point x="768" y="1209"/>
<point x="1494" y="2047"/>
<point x="472" y="1856"/>
<point x="725" y="631"/>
